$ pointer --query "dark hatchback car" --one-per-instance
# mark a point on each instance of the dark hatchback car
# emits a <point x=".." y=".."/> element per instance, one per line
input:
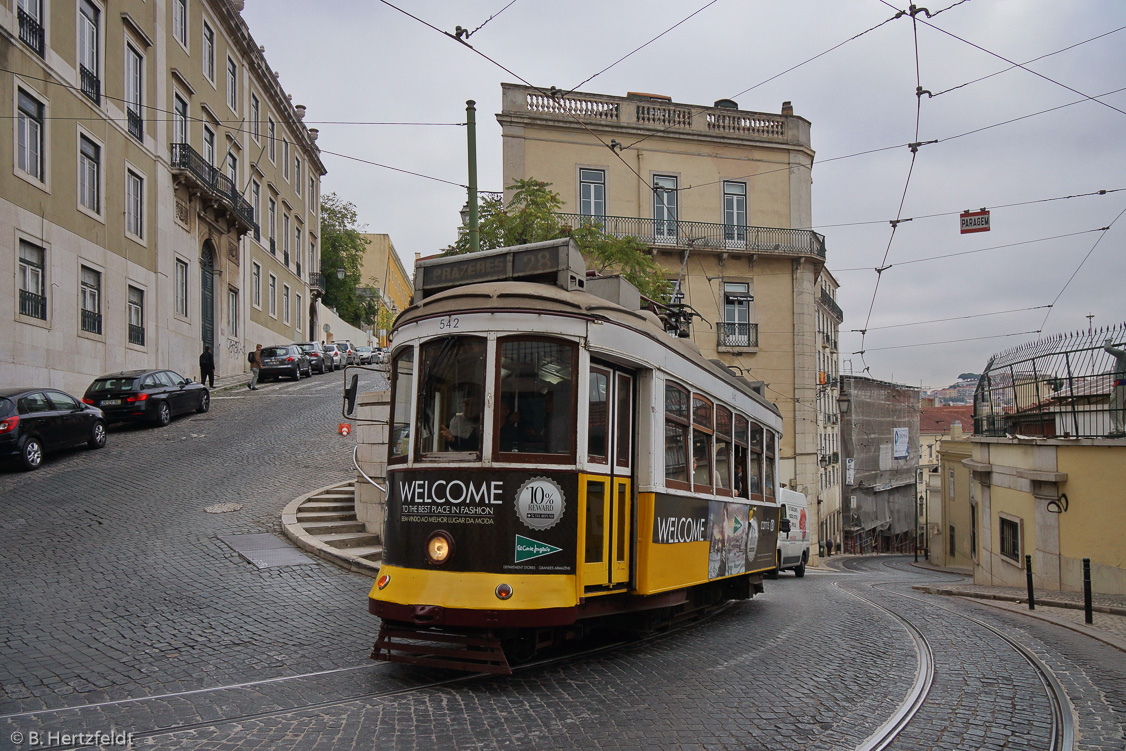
<point x="34" y="421"/>
<point x="154" y="396"/>
<point x="285" y="360"/>
<point x="319" y="360"/>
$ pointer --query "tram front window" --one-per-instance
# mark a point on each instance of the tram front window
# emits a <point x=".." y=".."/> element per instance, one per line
<point x="451" y="387"/>
<point x="535" y="408"/>
<point x="402" y="376"/>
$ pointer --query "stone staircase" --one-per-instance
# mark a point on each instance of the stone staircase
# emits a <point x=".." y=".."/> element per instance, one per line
<point x="324" y="523"/>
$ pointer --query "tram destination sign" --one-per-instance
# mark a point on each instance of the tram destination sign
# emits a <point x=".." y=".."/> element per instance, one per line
<point x="974" y="221"/>
<point x="554" y="262"/>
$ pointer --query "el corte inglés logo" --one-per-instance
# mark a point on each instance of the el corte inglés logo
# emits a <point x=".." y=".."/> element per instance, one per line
<point x="527" y="549"/>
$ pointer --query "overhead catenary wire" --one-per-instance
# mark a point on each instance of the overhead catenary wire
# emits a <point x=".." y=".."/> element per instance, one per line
<point x="1077" y="269"/>
<point x="954" y="318"/>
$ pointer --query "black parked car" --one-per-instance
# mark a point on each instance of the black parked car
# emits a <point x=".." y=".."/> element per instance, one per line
<point x="154" y="396"/>
<point x="284" y="359"/>
<point x="319" y="360"/>
<point x="33" y="421"/>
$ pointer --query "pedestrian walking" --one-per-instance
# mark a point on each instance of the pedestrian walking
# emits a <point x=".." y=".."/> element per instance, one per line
<point x="829" y="548"/>
<point x="207" y="367"/>
<point x="255" y="367"/>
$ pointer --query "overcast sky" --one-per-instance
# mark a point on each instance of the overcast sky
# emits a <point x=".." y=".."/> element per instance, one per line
<point x="362" y="61"/>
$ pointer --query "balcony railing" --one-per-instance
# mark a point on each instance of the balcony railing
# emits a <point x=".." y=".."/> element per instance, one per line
<point x="31" y="32"/>
<point x="709" y="235"/>
<point x="188" y="161"/>
<point x="91" y="86"/>
<point x="316" y="281"/>
<point x="136" y="125"/>
<point x="297" y="266"/>
<point x="91" y="321"/>
<point x="273" y="247"/>
<point x="137" y="335"/>
<point x="285" y="257"/>
<point x="828" y="301"/>
<point x="737" y="334"/>
<point x="1068" y="385"/>
<point x="33" y="305"/>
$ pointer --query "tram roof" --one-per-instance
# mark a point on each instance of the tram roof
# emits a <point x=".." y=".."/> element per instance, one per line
<point x="545" y="298"/>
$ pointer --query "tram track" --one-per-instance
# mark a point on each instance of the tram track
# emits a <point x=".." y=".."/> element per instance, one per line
<point x="1062" y="726"/>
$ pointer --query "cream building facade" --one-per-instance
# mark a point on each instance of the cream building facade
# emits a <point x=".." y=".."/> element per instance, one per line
<point x="158" y="192"/>
<point x="721" y="197"/>
<point x="383" y="267"/>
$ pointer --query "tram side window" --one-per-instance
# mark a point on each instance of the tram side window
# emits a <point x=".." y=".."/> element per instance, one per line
<point x="451" y="390"/>
<point x="676" y="434"/>
<point x="402" y="379"/>
<point x="701" y="444"/>
<point x="754" y="468"/>
<point x="723" y="448"/>
<point x="598" y="416"/>
<point x="535" y="412"/>
<point x="768" y="464"/>
<point x="741" y="454"/>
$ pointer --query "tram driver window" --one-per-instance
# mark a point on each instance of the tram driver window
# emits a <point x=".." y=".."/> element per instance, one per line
<point x="535" y="411"/>
<point x="402" y="378"/>
<point x="451" y="390"/>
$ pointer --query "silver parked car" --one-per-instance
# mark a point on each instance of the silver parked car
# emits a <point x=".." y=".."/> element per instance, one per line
<point x="335" y="355"/>
<point x="366" y="355"/>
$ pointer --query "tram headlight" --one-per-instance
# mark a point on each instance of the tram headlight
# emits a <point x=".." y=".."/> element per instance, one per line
<point x="439" y="547"/>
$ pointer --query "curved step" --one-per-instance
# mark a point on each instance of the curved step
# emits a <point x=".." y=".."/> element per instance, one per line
<point x="324" y="523"/>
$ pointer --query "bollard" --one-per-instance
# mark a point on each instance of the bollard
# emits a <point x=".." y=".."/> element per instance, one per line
<point x="1088" y="617"/>
<point x="1031" y="594"/>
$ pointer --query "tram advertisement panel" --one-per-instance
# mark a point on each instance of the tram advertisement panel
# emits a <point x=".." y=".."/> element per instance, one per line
<point x="498" y="521"/>
<point x="740" y="537"/>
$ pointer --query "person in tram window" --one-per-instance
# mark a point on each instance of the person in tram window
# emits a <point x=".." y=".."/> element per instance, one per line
<point x="510" y="429"/>
<point x="464" y="431"/>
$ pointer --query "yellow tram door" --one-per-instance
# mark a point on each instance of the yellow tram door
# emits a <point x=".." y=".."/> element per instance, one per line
<point x="608" y="490"/>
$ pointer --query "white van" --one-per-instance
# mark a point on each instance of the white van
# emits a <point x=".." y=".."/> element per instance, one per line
<point x="793" y="533"/>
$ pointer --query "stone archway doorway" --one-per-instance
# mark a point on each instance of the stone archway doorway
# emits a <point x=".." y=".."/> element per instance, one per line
<point x="207" y="294"/>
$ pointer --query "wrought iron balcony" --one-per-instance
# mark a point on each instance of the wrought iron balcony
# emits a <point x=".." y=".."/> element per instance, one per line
<point x="91" y="85"/>
<point x="285" y="257"/>
<point x="317" y="282"/>
<point x="273" y="247"/>
<point x="136" y="334"/>
<point x="91" y="321"/>
<point x="33" y="305"/>
<point x="31" y="32"/>
<point x="679" y="234"/>
<point x="297" y="266"/>
<point x="737" y="334"/>
<point x="136" y="125"/>
<point x="828" y="301"/>
<point x="188" y="164"/>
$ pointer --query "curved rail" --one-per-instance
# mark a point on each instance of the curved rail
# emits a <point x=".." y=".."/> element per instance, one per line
<point x="356" y="464"/>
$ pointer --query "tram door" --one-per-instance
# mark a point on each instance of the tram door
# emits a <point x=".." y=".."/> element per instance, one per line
<point x="608" y="489"/>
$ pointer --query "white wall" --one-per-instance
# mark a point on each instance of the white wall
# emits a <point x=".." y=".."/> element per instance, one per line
<point x="339" y="329"/>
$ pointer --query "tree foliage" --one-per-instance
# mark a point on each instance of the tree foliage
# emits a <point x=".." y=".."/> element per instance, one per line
<point x="533" y="216"/>
<point x="343" y="247"/>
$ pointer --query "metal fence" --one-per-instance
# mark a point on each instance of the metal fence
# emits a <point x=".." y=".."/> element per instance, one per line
<point x="1068" y="385"/>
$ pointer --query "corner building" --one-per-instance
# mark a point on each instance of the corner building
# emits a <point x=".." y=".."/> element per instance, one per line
<point x="722" y="199"/>
<point x="158" y="192"/>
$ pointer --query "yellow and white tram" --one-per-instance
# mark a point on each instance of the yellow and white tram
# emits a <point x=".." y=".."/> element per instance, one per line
<point x="556" y="461"/>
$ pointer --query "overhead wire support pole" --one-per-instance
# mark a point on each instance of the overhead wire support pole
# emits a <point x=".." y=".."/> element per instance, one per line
<point x="471" y="137"/>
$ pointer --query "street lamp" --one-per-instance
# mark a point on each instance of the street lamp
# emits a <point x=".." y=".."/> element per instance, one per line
<point x="340" y="273"/>
<point x="843" y="401"/>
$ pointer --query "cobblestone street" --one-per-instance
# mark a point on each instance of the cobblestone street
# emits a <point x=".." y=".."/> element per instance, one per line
<point x="124" y="611"/>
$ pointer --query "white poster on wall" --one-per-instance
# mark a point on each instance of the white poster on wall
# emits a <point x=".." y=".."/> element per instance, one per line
<point x="850" y="471"/>
<point x="901" y="443"/>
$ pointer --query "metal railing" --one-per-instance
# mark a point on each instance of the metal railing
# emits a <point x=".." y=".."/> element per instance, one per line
<point x="187" y="159"/>
<point x="736" y="334"/>
<point x="33" y="305"/>
<point x="91" y="85"/>
<point x="273" y="247"/>
<point x="31" y="32"/>
<point x="136" y="125"/>
<point x="91" y="321"/>
<point x="710" y="235"/>
<point x="316" y="281"/>
<point x="828" y="301"/>
<point x="1068" y="385"/>
<point x="136" y="334"/>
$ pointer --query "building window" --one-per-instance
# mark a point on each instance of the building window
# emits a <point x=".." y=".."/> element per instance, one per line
<point x="134" y="204"/>
<point x="313" y="194"/>
<point x="136" y="314"/>
<point x="29" y="142"/>
<point x="271" y="136"/>
<point x="1010" y="539"/>
<point x="952" y="548"/>
<point x="273" y="293"/>
<point x="134" y="87"/>
<point x="285" y="238"/>
<point x="297" y="306"/>
<point x="735" y="213"/>
<point x="297" y="175"/>
<point x="232" y="84"/>
<point x="664" y="208"/>
<point x="208" y="145"/>
<point x="89" y="174"/>
<point x="272" y="220"/>
<point x="33" y="300"/>
<point x="30" y="14"/>
<point x="232" y="311"/>
<point x="182" y="287"/>
<point x="90" y="303"/>
<point x="285" y="303"/>
<point x="592" y="192"/>
<point x="255" y="113"/>
<point x="285" y="159"/>
<point x="736" y="328"/>
<point x="179" y="119"/>
<point x="208" y="52"/>
<point x="88" y="43"/>
<point x="256" y="204"/>
<point x="297" y="249"/>
<point x="180" y="21"/>
<point x="256" y="285"/>
<point x="232" y="168"/>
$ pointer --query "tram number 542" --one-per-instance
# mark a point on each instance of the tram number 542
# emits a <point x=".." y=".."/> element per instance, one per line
<point x="448" y="323"/>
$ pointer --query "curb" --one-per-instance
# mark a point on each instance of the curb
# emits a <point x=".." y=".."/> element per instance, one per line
<point x="1093" y="633"/>
<point x="302" y="539"/>
<point x="1045" y="601"/>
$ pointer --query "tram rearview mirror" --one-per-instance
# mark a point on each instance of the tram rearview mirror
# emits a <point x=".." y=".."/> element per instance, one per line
<point x="350" y="395"/>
